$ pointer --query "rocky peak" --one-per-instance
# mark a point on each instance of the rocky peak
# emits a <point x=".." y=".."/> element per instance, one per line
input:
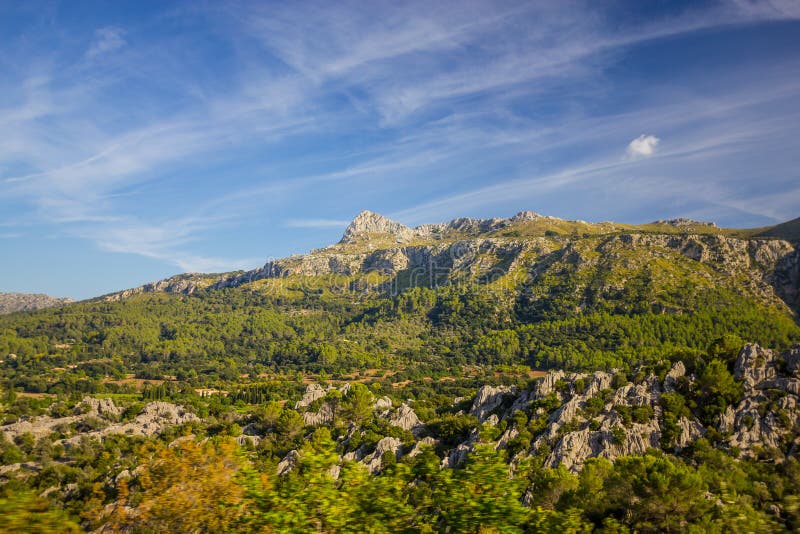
<point x="367" y="222"/>
<point x="526" y="216"/>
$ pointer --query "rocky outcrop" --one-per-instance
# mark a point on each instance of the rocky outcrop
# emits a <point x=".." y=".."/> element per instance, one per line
<point x="102" y="407"/>
<point x="723" y="252"/>
<point x="677" y="371"/>
<point x="321" y="417"/>
<point x="785" y="278"/>
<point x="754" y="365"/>
<point x="313" y="392"/>
<point x="488" y="399"/>
<point x="406" y="419"/>
<point x="458" y="455"/>
<point x="374" y="461"/>
<point x="752" y="424"/>
<point x="383" y="403"/>
<point x="767" y="417"/>
<point x="288" y="463"/>
<point x="100" y="417"/>
<point x="792" y="360"/>
<point x="419" y="446"/>
<point x="594" y="418"/>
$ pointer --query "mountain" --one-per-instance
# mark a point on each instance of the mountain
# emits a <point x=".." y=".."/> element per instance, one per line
<point x="376" y="253"/>
<point x="14" y="302"/>
<point x="533" y="289"/>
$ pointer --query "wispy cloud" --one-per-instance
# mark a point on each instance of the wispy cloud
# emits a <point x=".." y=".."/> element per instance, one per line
<point x="106" y="40"/>
<point x="166" y="242"/>
<point x="145" y="144"/>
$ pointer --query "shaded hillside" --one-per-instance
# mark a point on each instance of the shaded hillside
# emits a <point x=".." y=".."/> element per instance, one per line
<point x="790" y="231"/>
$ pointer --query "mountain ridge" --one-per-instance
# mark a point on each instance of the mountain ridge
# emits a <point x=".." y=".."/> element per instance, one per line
<point x="467" y="248"/>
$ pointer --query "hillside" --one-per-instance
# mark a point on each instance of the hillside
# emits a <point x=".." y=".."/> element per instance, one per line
<point x="15" y="302"/>
<point x="523" y="374"/>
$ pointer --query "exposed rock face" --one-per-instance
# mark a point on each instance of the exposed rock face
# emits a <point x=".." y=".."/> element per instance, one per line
<point x="750" y="424"/>
<point x="323" y="416"/>
<point x="690" y="431"/>
<point x="325" y="413"/>
<point x="384" y="403"/>
<point x="792" y="359"/>
<point x="785" y="278"/>
<point x="527" y="216"/>
<point x="461" y="226"/>
<point x="16" y="302"/>
<point x="724" y="252"/>
<point x="486" y="249"/>
<point x="421" y="444"/>
<point x="458" y="455"/>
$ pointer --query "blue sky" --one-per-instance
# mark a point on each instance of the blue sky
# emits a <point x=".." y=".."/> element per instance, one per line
<point x="143" y="139"/>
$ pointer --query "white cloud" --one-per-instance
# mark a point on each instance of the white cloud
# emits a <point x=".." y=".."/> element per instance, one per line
<point x="106" y="40"/>
<point x="643" y="146"/>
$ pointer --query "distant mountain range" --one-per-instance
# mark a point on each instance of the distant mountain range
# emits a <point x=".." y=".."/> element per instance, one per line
<point x="15" y="302"/>
<point x="432" y="254"/>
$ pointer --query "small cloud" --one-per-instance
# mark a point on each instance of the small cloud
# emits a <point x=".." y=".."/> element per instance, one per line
<point x="643" y="146"/>
<point x="106" y="40"/>
<point x="9" y="236"/>
<point x="316" y="223"/>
